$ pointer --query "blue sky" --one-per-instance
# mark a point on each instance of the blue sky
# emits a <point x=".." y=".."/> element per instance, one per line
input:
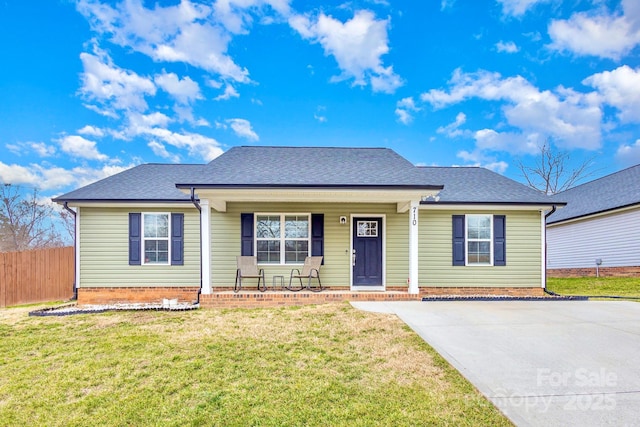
<point x="90" y="88"/>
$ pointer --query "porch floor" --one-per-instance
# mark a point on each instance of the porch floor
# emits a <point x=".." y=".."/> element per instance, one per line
<point x="252" y="298"/>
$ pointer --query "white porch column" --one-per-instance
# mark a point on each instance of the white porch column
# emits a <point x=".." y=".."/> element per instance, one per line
<point x="413" y="247"/>
<point x="205" y="245"/>
<point x="77" y="249"/>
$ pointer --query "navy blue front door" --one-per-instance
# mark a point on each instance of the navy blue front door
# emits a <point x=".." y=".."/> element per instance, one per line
<point x="367" y="252"/>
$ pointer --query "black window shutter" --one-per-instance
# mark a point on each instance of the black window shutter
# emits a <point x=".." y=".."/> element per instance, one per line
<point x="246" y="234"/>
<point x="135" y="240"/>
<point x="177" y="239"/>
<point x="499" y="240"/>
<point x="317" y="235"/>
<point x="458" y="240"/>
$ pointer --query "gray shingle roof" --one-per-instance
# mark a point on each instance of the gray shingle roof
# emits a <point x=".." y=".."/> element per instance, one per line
<point x="613" y="191"/>
<point x="479" y="185"/>
<point x="310" y="166"/>
<point x="149" y="182"/>
<point x="306" y="166"/>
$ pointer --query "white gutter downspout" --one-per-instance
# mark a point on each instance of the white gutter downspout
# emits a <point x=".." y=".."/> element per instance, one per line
<point x="544" y="247"/>
<point x="205" y="244"/>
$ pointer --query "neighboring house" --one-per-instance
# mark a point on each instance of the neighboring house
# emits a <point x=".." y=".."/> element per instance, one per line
<point x="381" y="223"/>
<point x="600" y="222"/>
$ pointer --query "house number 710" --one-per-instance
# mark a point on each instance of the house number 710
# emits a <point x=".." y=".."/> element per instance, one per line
<point x="415" y="219"/>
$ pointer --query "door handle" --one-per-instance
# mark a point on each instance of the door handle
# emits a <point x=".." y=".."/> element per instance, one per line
<point x="353" y="258"/>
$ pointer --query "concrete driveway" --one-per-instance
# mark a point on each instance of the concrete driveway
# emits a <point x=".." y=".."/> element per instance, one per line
<point x="555" y="363"/>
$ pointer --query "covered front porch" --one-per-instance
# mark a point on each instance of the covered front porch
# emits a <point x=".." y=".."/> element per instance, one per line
<point x="368" y="237"/>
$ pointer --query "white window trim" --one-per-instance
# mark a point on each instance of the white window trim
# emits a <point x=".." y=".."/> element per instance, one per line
<point x="143" y="239"/>
<point x="281" y="238"/>
<point x="467" y="240"/>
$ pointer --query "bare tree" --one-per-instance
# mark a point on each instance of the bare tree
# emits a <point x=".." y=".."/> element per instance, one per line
<point x="25" y="221"/>
<point x="68" y="224"/>
<point x="551" y="172"/>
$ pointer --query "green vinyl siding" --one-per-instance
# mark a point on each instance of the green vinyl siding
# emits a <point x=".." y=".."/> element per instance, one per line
<point x="104" y="251"/>
<point x="225" y="241"/>
<point x="523" y="243"/>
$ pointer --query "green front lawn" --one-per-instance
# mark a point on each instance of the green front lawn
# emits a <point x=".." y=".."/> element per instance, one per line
<point x="327" y="365"/>
<point x="618" y="286"/>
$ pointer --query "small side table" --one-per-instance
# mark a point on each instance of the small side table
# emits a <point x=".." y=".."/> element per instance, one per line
<point x="277" y="279"/>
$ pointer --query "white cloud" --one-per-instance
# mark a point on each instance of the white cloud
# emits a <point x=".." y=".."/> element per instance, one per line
<point x="446" y="4"/>
<point x="229" y="92"/>
<point x="489" y="140"/>
<point x="233" y="15"/>
<point x="187" y="32"/>
<point x="404" y="108"/>
<point x="54" y="177"/>
<point x="320" y="118"/>
<point x="197" y="145"/>
<point x="507" y="47"/>
<point x="184" y="91"/>
<point x="91" y="131"/>
<point x="572" y="119"/>
<point x="598" y="33"/>
<point x="619" y="88"/>
<point x="17" y="175"/>
<point x="213" y="83"/>
<point x="453" y="129"/>
<point x="113" y="87"/>
<point x="357" y="45"/>
<point x="477" y="158"/>
<point x="42" y="149"/>
<point x="518" y="7"/>
<point x="78" y="146"/>
<point x="161" y="151"/>
<point x="629" y="155"/>
<point x="319" y="114"/>
<point x="242" y="128"/>
<point x="499" y="167"/>
<point x="138" y="124"/>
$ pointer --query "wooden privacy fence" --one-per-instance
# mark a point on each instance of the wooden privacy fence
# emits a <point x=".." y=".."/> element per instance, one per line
<point x="36" y="276"/>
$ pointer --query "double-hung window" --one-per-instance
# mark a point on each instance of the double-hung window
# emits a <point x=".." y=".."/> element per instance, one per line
<point x="156" y="238"/>
<point x="479" y="238"/>
<point x="282" y="238"/>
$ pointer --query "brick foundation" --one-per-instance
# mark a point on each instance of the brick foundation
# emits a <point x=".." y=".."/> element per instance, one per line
<point x="135" y="295"/>
<point x="633" y="271"/>
<point x="251" y="298"/>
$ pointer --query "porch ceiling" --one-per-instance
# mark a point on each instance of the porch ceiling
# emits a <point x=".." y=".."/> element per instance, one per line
<point x="218" y="198"/>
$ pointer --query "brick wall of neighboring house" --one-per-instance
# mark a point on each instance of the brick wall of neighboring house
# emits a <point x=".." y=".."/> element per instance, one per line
<point x="591" y="272"/>
<point x="135" y="295"/>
